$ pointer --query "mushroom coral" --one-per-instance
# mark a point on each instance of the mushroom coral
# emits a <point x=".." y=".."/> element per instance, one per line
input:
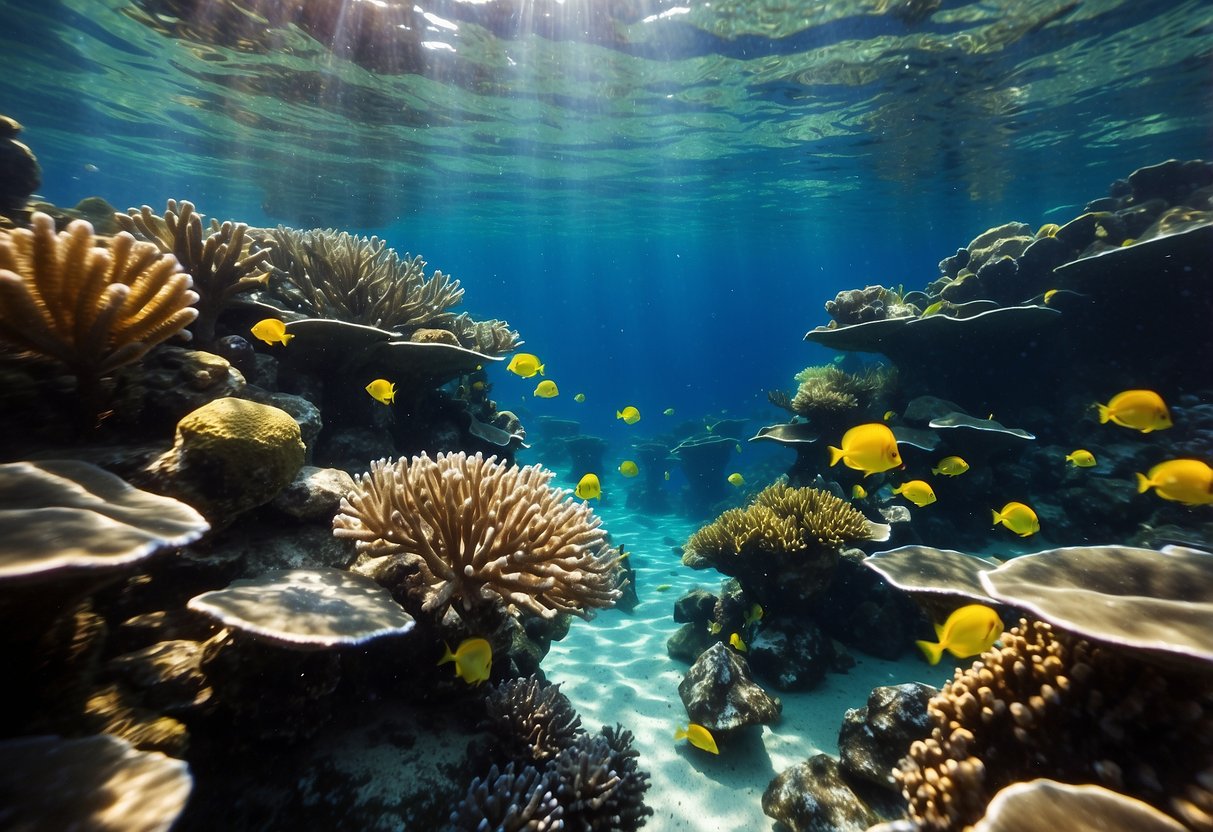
<point x="477" y="534"/>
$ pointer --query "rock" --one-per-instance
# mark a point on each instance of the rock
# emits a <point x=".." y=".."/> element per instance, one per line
<point x="20" y="174"/>
<point x="719" y="694"/>
<point x="689" y="641"/>
<point x="168" y="676"/>
<point x="695" y="607"/>
<point x="353" y="449"/>
<point x="172" y="381"/>
<point x="873" y="738"/>
<point x="315" y="494"/>
<point x="814" y="797"/>
<point x="791" y="654"/>
<point x="1171" y="180"/>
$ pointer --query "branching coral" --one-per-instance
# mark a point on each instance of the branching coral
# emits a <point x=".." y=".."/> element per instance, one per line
<point x="600" y="785"/>
<point x="532" y="719"/>
<point x="1050" y="704"/>
<point x="509" y="802"/>
<point x="478" y="532"/>
<point x="221" y="264"/>
<point x="828" y="394"/>
<point x="94" y="309"/>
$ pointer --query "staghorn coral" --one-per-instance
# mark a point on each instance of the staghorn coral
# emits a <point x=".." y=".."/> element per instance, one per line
<point x="532" y="719"/>
<point x="93" y="309"/>
<point x="1050" y="704"/>
<point x="601" y="788"/>
<point x="478" y="532"/>
<point x="509" y="802"/>
<point x="221" y="265"/>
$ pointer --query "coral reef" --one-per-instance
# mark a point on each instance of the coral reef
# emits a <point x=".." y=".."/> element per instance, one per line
<point x="600" y="786"/>
<point x="532" y="719"/>
<point x="522" y="802"/>
<point x="873" y="303"/>
<point x="470" y="532"/>
<point x="829" y="397"/>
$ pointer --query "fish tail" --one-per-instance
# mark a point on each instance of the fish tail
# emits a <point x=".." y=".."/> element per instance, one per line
<point x="1104" y="414"/>
<point x="932" y="650"/>
<point x="1143" y="483"/>
<point x="286" y="338"/>
<point x="541" y="366"/>
<point x="448" y="656"/>
<point x="681" y="734"/>
<point x="936" y="471"/>
<point x="998" y="518"/>
<point x="835" y="454"/>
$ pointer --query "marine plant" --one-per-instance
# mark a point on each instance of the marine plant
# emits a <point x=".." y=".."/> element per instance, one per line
<point x="477" y="535"/>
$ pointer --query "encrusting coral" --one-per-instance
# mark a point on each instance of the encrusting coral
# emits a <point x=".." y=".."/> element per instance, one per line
<point x="1046" y="703"/>
<point x="221" y="264"/>
<point x="531" y="718"/>
<point x="475" y="533"/>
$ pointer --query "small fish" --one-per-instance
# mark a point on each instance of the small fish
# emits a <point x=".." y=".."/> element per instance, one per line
<point x="918" y="492"/>
<point x="623" y="554"/>
<point x="754" y="614"/>
<point x="525" y="365"/>
<point x="667" y="476"/>
<point x="1128" y="241"/>
<point x="738" y="447"/>
<point x="1048" y="296"/>
<point x="1142" y="410"/>
<point x="933" y="309"/>
<point x="858" y="492"/>
<point x="669" y="411"/>
<point x="629" y="415"/>
<point x="1049" y="229"/>
<point x="714" y="627"/>
<point x="889" y="415"/>
<point x="628" y="468"/>
<point x="1081" y="458"/>
<point x="473" y="660"/>
<point x="478" y="385"/>
<point x="699" y="737"/>
<point x="271" y="331"/>
<point x="736" y="643"/>
<point x="382" y="391"/>
<point x="579" y="398"/>
<point x="662" y="587"/>
<point x="546" y="389"/>
<point x="969" y="631"/>
<point x="950" y="466"/>
<point x="870" y="448"/>
<point x="736" y="479"/>
<point x="588" y="488"/>
<point x="1018" y="518"/>
<point x="838" y="359"/>
<point x="1187" y="481"/>
<point x="90" y="167"/>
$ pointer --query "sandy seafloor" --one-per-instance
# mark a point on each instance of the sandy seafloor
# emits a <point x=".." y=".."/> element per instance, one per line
<point x="615" y="669"/>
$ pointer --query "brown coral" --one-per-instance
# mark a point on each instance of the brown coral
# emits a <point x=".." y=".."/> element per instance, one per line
<point x="482" y="533"/>
<point x="828" y="396"/>
<point x="1050" y="704"/>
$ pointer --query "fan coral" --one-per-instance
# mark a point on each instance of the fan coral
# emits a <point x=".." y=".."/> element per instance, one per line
<point x="600" y="786"/>
<point x="533" y="720"/>
<point x="509" y="802"/>
<point x="481" y="532"/>
<point x="221" y="264"/>
<point x="1050" y="704"/>
<point x="66" y="298"/>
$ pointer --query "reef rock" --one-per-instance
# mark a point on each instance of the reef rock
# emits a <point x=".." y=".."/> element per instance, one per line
<point x="791" y="654"/>
<point x="314" y="495"/>
<point x="20" y="174"/>
<point x="814" y="797"/>
<point x="873" y="738"/>
<point x="719" y="694"/>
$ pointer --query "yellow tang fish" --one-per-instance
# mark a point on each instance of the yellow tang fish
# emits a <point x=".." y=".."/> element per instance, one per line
<point x="525" y="365"/>
<point x="918" y="492"/>
<point x="1048" y="296"/>
<point x="754" y="614"/>
<point x="968" y="631"/>
<point x="382" y="391"/>
<point x="473" y="660"/>
<point x="736" y="478"/>
<point x="1049" y="229"/>
<point x="628" y="468"/>
<point x="699" y="737"/>
<point x="714" y="627"/>
<point x="588" y="488"/>
<point x="1187" y="481"/>
<point x="736" y="643"/>
<point x="858" y="492"/>
<point x="889" y="415"/>
<point x="478" y="385"/>
<point x="950" y="466"/>
<point x="1142" y="410"/>
<point x="662" y="587"/>
<point x="1018" y="518"/>
<point x="870" y="448"/>
<point x="1081" y="458"/>
<point x="546" y="389"/>
<point x="669" y="411"/>
<point x="579" y="398"/>
<point x="667" y="476"/>
<point x="272" y="331"/>
<point x="629" y="415"/>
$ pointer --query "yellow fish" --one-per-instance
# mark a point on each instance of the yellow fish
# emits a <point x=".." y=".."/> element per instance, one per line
<point x="1049" y="229"/>
<point x="870" y="448"/>
<point x="588" y="488"/>
<point x="1142" y="410"/>
<point x="736" y="643"/>
<point x="950" y="466"/>
<point x="546" y="389"/>
<point x="1048" y="296"/>
<point x="933" y="309"/>
<point x="629" y="415"/>
<point x="1128" y="241"/>
<point x="889" y="414"/>
<point x="579" y="398"/>
<point x="917" y="492"/>
<point x="669" y="411"/>
<point x="968" y="631"/>
<point x="473" y="660"/>
<point x="736" y="479"/>
<point x="1018" y="518"/>
<point x="738" y="446"/>
<point x="698" y="736"/>
<point x="754" y="614"/>
<point x="628" y="468"/>
<point x="858" y="492"/>
<point x="1081" y="458"/>
<point x="272" y="331"/>
<point x="662" y="587"/>
<point x="667" y="476"/>
<point x="382" y="391"/>
<point x="1187" y="481"/>
<point x="714" y="627"/>
<point x="478" y="385"/>
<point x="525" y="365"/>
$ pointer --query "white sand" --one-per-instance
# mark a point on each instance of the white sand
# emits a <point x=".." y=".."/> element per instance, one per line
<point x="615" y="669"/>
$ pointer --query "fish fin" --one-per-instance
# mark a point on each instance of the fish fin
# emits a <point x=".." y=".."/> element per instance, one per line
<point x="541" y="366"/>
<point x="1143" y="483"/>
<point x="286" y="338"/>
<point x="932" y="651"/>
<point x="1147" y="430"/>
<point x="1104" y="413"/>
<point x="681" y="733"/>
<point x="997" y="516"/>
<point x="835" y="454"/>
<point x="935" y="471"/>
<point x="939" y="632"/>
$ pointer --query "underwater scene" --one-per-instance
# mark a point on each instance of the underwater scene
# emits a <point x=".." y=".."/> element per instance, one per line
<point x="592" y="415"/>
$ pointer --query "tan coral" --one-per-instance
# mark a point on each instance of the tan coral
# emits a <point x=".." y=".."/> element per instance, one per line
<point x="471" y="532"/>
